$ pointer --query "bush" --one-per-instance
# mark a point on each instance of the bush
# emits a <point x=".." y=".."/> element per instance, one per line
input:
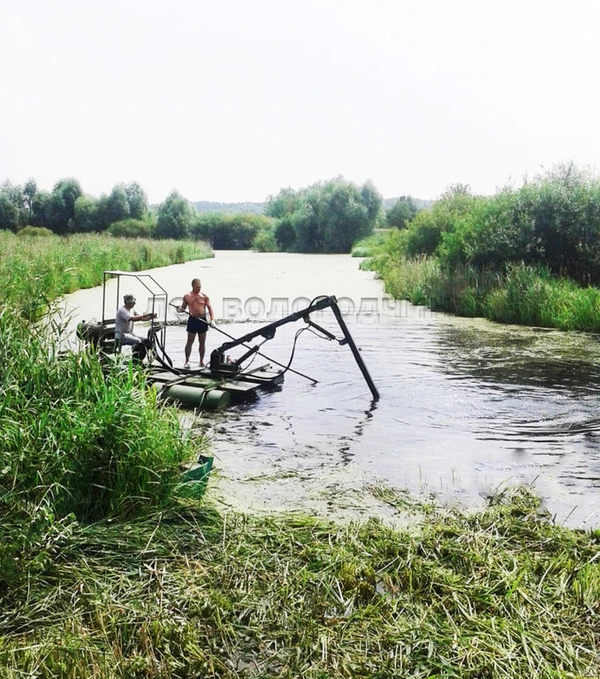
<point x="425" y="233"/>
<point x="370" y="245"/>
<point x="229" y="232"/>
<point x="132" y="228"/>
<point x="401" y="213"/>
<point x="265" y="240"/>
<point x="553" y="221"/>
<point x="34" y="232"/>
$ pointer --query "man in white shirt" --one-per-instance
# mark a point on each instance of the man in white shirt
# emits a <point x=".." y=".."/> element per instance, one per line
<point x="124" y="326"/>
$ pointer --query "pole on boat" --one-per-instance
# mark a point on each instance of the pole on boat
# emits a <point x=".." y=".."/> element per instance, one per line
<point x="355" y="350"/>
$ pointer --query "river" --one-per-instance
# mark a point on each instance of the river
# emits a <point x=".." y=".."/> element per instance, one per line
<point x="467" y="407"/>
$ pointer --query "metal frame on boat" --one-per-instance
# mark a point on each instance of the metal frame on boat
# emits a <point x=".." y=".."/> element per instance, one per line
<point x="225" y="379"/>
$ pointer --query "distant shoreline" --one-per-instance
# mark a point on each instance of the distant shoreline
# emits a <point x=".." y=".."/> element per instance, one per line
<point x="259" y="208"/>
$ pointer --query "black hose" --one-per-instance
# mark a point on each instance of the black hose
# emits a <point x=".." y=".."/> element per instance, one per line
<point x="246" y="346"/>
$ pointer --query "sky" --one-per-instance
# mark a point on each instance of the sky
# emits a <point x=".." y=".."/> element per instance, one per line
<point x="232" y="101"/>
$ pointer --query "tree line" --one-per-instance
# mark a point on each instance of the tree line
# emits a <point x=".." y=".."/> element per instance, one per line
<point x="552" y="221"/>
<point x="328" y="216"/>
<point x="66" y="209"/>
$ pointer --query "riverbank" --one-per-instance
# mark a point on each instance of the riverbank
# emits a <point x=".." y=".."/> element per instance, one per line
<point x="527" y="256"/>
<point x="37" y="270"/>
<point x="190" y="592"/>
<point x="521" y="295"/>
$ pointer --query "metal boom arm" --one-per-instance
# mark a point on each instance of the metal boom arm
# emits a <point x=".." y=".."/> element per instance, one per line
<point x="219" y="366"/>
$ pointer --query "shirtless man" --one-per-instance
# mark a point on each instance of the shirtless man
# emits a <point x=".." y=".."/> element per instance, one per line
<point x="197" y="324"/>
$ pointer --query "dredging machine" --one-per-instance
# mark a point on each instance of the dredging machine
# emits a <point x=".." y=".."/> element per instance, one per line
<point x="225" y="380"/>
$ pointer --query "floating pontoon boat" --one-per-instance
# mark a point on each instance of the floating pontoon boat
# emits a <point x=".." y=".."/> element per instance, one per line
<point x="225" y="380"/>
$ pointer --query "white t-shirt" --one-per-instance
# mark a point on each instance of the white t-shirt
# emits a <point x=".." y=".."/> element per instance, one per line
<point x="123" y="322"/>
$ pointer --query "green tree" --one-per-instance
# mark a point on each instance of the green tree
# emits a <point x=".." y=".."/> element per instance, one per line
<point x="326" y="217"/>
<point x="305" y="222"/>
<point x="264" y="241"/>
<point x="61" y="209"/>
<point x="401" y="213"/>
<point x="49" y="211"/>
<point x="284" y="203"/>
<point x="285" y="234"/>
<point x="116" y="205"/>
<point x="9" y="213"/>
<point x="424" y="234"/>
<point x="137" y="200"/>
<point x="372" y="200"/>
<point x="175" y="217"/>
<point x="29" y="191"/>
<point x="86" y="215"/>
<point x="343" y="216"/>
<point x="39" y="209"/>
<point x="13" y="213"/>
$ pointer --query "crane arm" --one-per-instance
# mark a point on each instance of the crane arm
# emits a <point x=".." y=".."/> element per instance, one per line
<point x="219" y="365"/>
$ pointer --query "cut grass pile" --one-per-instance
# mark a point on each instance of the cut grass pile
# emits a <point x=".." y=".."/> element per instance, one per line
<point x="190" y="593"/>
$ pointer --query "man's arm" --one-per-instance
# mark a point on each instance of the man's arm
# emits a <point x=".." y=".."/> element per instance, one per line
<point x="210" y="311"/>
<point x="142" y="317"/>
<point x="183" y="305"/>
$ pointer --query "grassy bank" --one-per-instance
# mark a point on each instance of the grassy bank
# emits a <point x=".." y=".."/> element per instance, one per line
<point x="190" y="593"/>
<point x="37" y="270"/>
<point x="76" y="440"/>
<point x="525" y="295"/>
<point x="76" y="445"/>
<point x="528" y="255"/>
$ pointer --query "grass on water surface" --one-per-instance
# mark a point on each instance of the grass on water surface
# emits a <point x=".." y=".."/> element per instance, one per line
<point x="191" y="593"/>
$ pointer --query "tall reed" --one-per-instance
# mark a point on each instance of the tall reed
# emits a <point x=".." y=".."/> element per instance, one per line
<point x="534" y="297"/>
<point x="76" y="446"/>
<point x="37" y="270"/>
<point x="520" y="294"/>
<point x="92" y="444"/>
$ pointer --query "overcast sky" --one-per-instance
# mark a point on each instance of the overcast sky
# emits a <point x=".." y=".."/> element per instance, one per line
<point x="233" y="100"/>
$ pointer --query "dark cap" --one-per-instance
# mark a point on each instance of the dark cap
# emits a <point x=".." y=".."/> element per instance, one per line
<point x="129" y="299"/>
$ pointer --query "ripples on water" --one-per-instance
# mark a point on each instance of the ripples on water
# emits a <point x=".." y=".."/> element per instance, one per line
<point x="466" y="406"/>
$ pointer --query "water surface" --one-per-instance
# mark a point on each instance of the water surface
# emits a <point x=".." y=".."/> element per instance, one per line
<point x="467" y="406"/>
